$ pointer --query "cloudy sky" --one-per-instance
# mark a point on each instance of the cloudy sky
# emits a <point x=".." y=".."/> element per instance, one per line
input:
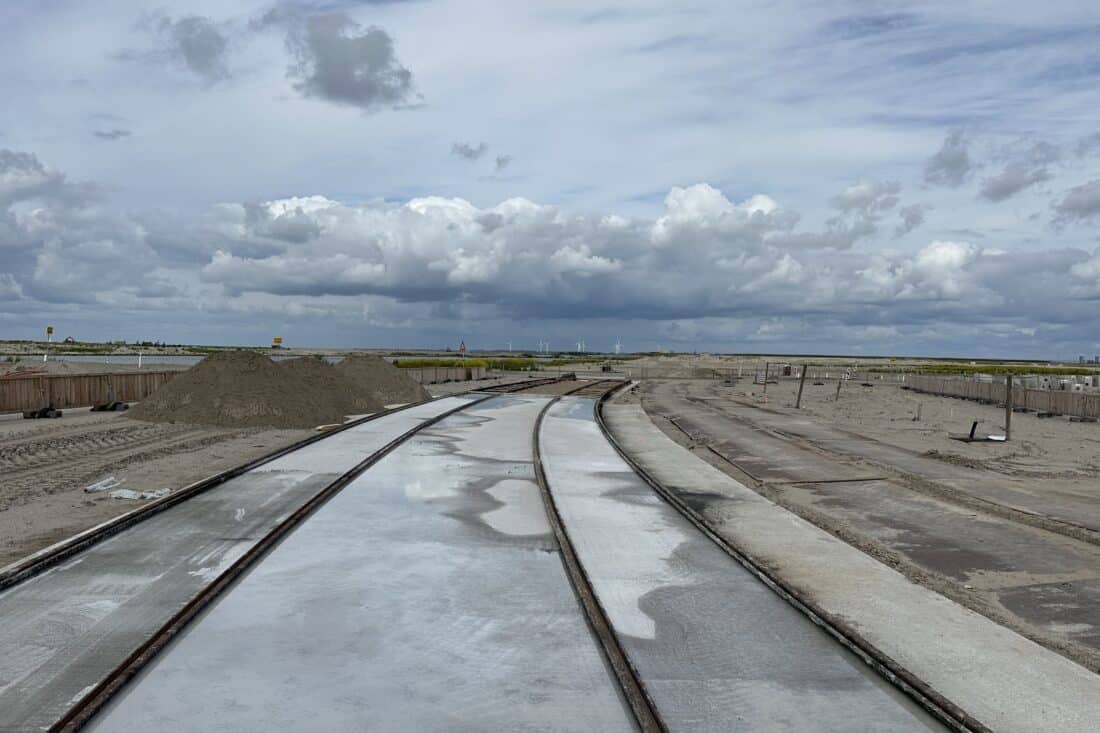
<point x="865" y="176"/>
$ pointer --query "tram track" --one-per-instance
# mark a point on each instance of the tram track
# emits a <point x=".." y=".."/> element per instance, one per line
<point x="94" y="700"/>
<point x="641" y="705"/>
<point x="945" y="711"/>
<point x="92" y="697"/>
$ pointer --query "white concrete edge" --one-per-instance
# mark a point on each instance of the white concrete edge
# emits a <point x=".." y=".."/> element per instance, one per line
<point x="1002" y="679"/>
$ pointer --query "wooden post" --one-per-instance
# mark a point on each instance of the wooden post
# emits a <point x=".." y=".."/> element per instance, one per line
<point x="1008" y="407"/>
<point x="765" y="377"/>
<point x="801" y="383"/>
<point x="839" y="381"/>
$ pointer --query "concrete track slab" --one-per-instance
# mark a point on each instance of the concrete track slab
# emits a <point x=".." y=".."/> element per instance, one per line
<point x="65" y="629"/>
<point x="1004" y="680"/>
<point x="427" y="595"/>
<point x="713" y="646"/>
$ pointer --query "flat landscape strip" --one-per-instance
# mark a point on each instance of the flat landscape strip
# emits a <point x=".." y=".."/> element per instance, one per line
<point x="984" y="675"/>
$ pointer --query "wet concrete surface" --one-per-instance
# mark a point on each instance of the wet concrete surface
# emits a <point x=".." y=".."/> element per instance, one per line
<point x="978" y="552"/>
<point x="66" y="628"/>
<point x="1007" y="682"/>
<point x="427" y="595"/>
<point x="714" y="647"/>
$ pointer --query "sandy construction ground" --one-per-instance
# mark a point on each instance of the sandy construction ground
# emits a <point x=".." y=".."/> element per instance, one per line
<point x="1010" y="530"/>
<point x="1052" y="448"/>
<point x="45" y="465"/>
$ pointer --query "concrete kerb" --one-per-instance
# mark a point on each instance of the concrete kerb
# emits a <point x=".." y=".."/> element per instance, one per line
<point x="978" y="674"/>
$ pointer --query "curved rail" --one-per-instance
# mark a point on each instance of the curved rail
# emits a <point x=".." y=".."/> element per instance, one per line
<point x="95" y="699"/>
<point x="645" y="712"/>
<point x="940" y="707"/>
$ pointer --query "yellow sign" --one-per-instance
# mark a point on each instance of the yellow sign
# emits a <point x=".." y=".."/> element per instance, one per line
<point x="277" y="340"/>
<point x="49" y="329"/>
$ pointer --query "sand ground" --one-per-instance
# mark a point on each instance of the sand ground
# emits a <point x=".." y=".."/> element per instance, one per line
<point x="1010" y="530"/>
<point x="45" y="465"/>
<point x="1051" y="448"/>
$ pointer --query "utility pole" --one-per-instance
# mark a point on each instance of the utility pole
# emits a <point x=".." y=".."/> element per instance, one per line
<point x="1008" y="407"/>
<point x="801" y="384"/>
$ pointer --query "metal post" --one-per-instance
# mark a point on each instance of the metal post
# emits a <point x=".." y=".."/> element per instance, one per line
<point x="1008" y="407"/>
<point x="765" y="377"/>
<point x="839" y="381"/>
<point x="801" y="383"/>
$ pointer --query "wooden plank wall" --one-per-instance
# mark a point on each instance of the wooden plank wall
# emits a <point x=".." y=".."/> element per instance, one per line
<point x="1059" y="402"/>
<point x="18" y="393"/>
<point x="435" y="375"/>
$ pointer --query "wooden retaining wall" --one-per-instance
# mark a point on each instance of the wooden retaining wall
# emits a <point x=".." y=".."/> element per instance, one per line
<point x="30" y="392"/>
<point x="435" y="375"/>
<point x="1059" y="402"/>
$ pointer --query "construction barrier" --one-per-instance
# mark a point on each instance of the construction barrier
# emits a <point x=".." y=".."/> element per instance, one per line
<point x="1058" y="402"/>
<point x="435" y="375"/>
<point x="33" y="391"/>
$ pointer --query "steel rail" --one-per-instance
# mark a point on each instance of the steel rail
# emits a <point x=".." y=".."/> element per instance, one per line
<point x="84" y="710"/>
<point x="905" y="681"/>
<point x="48" y="557"/>
<point x="641" y="705"/>
<point x="514" y="387"/>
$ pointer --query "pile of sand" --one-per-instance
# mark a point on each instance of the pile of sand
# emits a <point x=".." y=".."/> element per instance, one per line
<point x="247" y="389"/>
<point x="382" y="379"/>
<point x="354" y="398"/>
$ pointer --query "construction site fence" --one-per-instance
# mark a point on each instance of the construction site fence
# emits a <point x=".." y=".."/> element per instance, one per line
<point x="435" y="375"/>
<point x="1057" y="402"/>
<point x="34" y="391"/>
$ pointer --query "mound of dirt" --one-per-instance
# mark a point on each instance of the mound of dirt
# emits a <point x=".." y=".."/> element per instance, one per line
<point x="247" y="389"/>
<point x="352" y="397"/>
<point x="382" y="379"/>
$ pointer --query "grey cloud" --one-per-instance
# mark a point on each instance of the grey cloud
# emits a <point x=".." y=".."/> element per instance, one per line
<point x="704" y="256"/>
<point x="24" y="177"/>
<point x="871" y="197"/>
<point x="338" y="61"/>
<point x="113" y="134"/>
<point x="468" y="151"/>
<point x="502" y="162"/>
<point x="1087" y="144"/>
<point x="194" y="41"/>
<point x="911" y="218"/>
<point x="1023" y="170"/>
<point x="1014" y="178"/>
<point x="293" y="226"/>
<point x="951" y="165"/>
<point x="862" y="26"/>
<point x="1079" y="204"/>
